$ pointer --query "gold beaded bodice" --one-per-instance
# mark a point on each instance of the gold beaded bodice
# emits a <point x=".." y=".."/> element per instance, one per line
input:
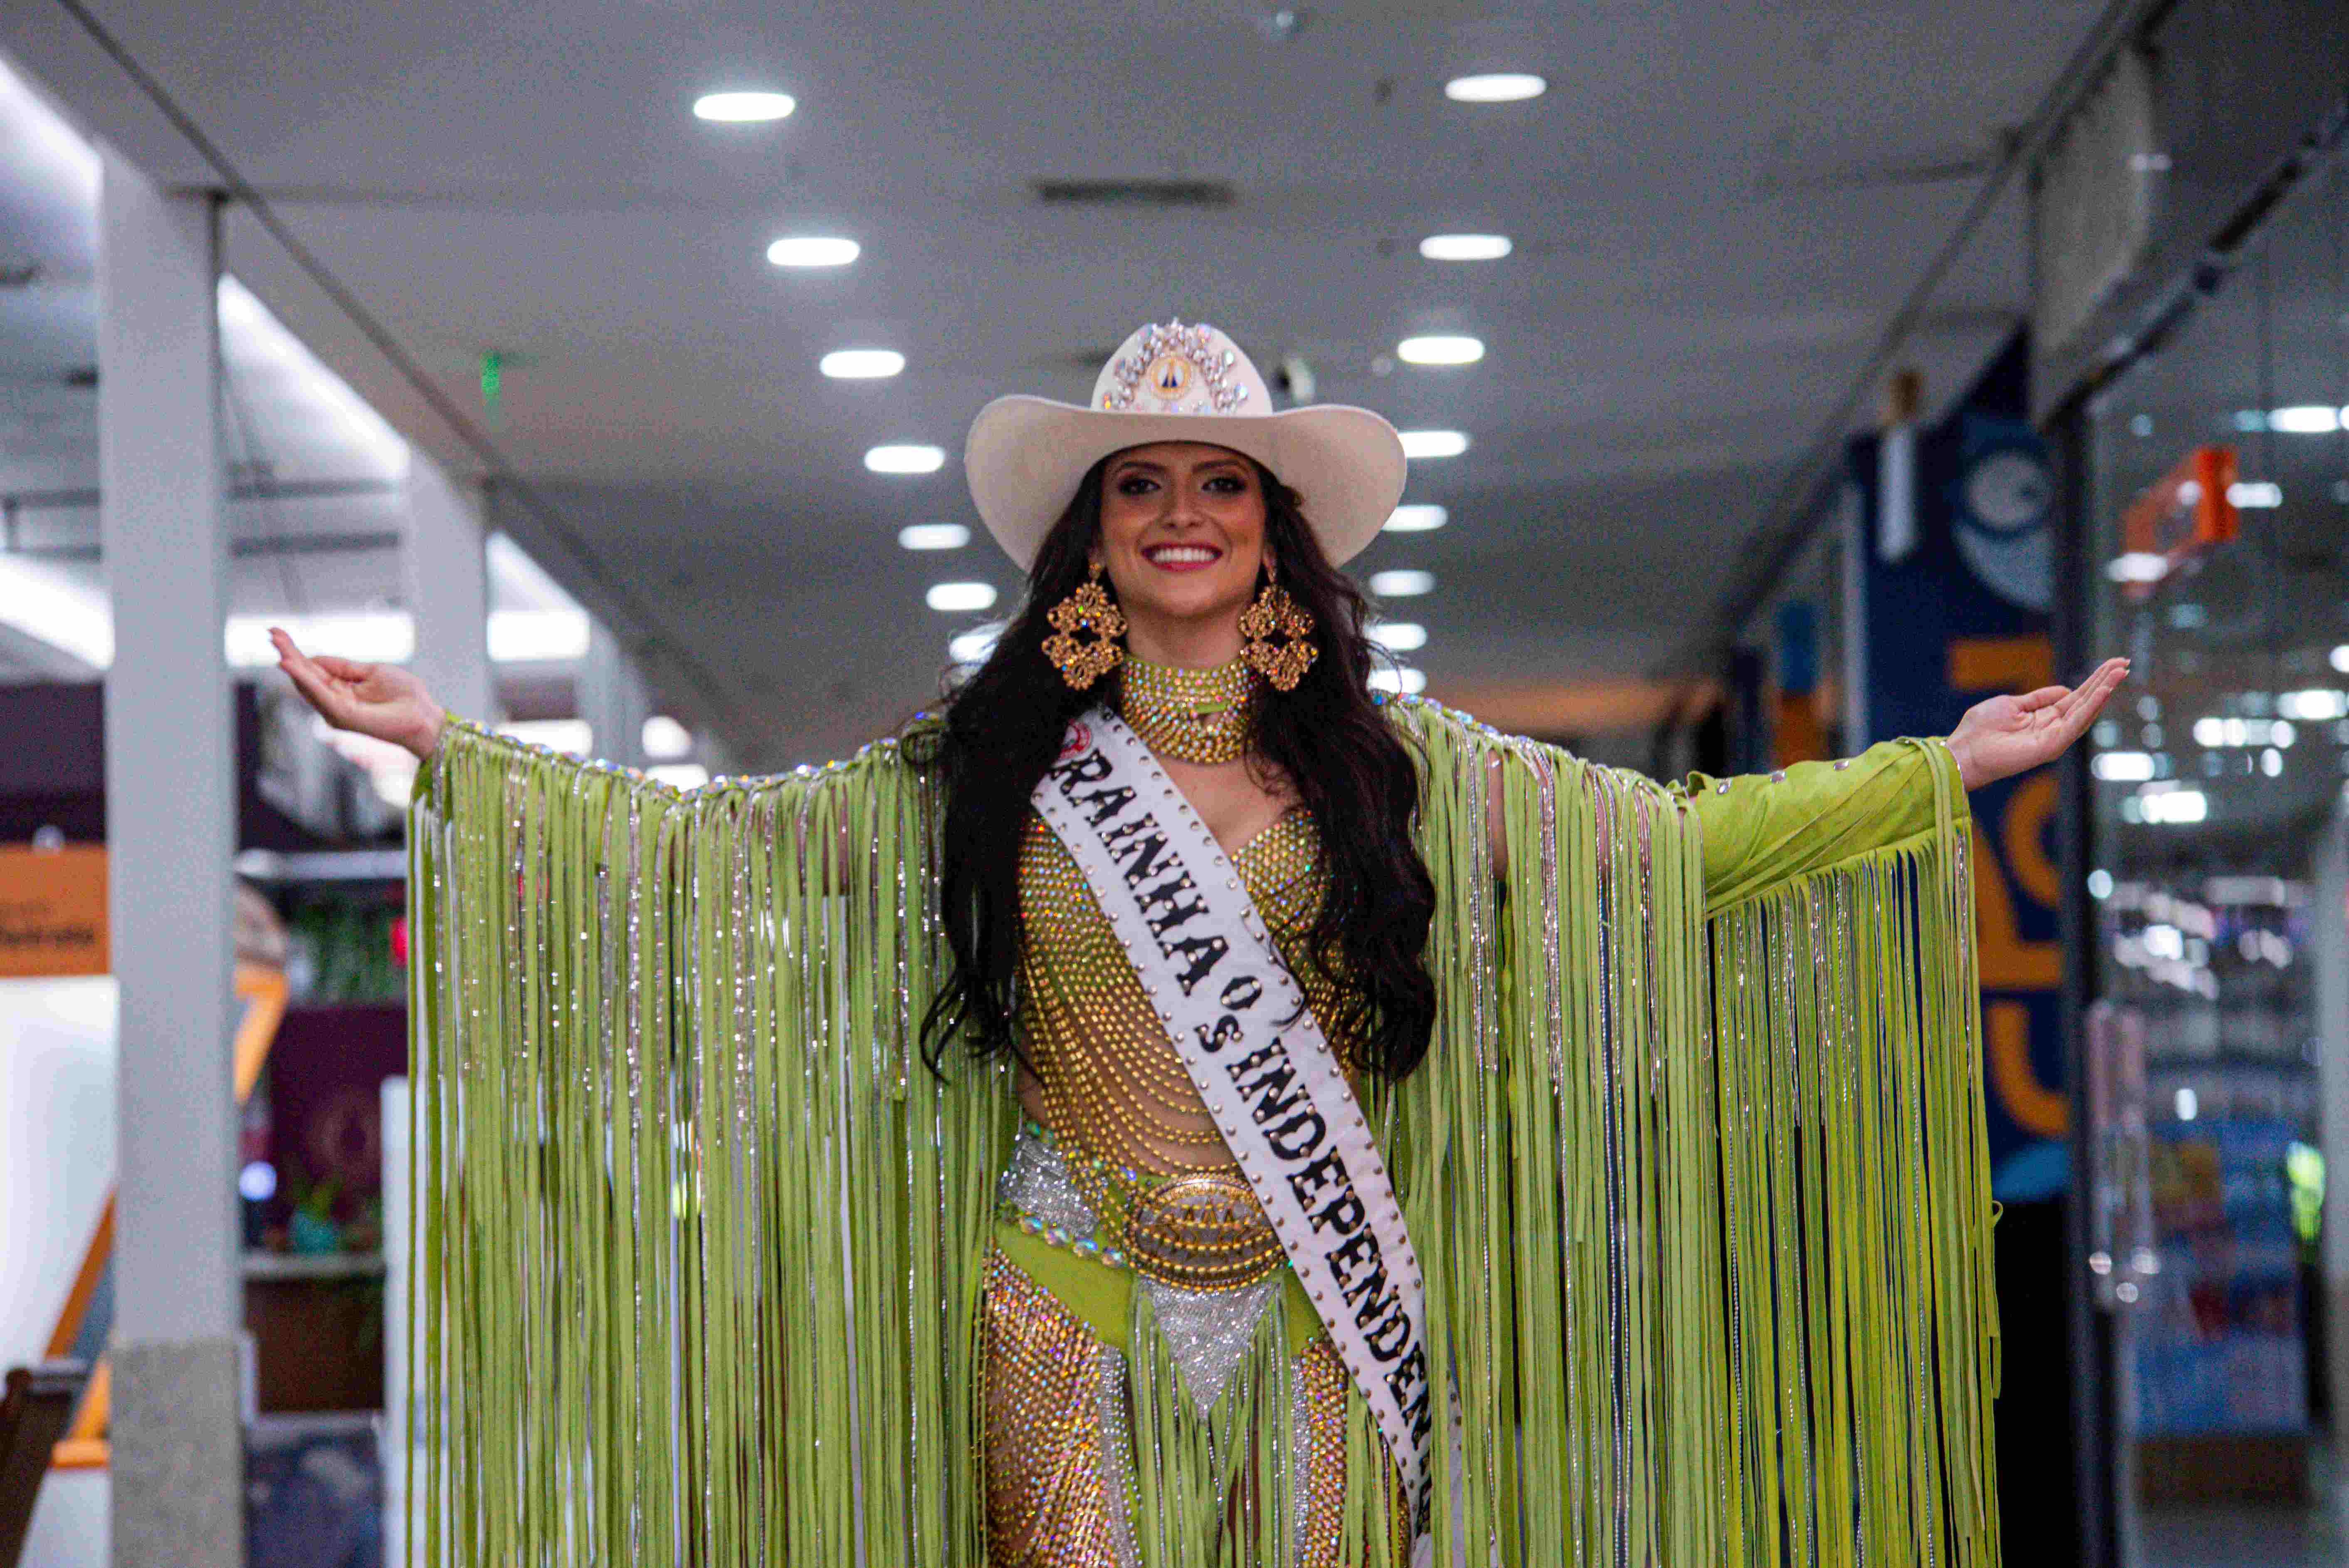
<point x="1102" y="1074"/>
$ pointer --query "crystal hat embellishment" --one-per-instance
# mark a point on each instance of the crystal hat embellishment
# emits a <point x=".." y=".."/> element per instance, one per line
<point x="1175" y="369"/>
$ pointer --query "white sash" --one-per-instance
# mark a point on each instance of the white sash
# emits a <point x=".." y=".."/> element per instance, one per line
<point x="1259" y="1061"/>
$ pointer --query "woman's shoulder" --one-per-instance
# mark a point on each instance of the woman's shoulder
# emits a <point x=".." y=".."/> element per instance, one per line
<point x="1447" y="736"/>
<point x="903" y="757"/>
<point x="1414" y="714"/>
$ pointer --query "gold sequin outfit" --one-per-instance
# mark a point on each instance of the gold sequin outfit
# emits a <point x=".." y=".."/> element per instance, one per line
<point x="1119" y="1140"/>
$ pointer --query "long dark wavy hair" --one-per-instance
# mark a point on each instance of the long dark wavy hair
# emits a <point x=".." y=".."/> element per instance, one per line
<point x="1002" y="729"/>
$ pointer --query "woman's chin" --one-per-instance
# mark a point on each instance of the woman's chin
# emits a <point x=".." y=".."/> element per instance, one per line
<point x="1188" y="611"/>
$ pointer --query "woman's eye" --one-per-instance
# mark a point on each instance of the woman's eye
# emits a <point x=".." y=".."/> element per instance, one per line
<point x="1133" y="484"/>
<point x="1227" y="484"/>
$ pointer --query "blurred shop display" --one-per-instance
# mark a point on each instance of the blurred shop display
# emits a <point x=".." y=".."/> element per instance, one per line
<point x="2190" y="341"/>
<point x="321" y="968"/>
<point x="2219" y="508"/>
<point x="85" y="1324"/>
<point x="323" y="1135"/>
<point x="346" y="948"/>
<point x="297" y="790"/>
<point x="2123" y="1257"/>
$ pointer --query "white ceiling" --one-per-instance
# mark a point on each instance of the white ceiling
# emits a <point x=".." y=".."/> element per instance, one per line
<point x="1716" y="209"/>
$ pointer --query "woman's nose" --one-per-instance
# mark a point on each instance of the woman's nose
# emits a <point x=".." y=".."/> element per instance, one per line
<point x="1181" y="509"/>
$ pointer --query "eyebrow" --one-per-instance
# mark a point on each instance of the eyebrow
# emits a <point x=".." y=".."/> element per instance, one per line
<point x="1148" y="464"/>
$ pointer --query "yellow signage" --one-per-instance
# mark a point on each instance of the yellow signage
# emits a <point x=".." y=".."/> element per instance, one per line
<point x="53" y="911"/>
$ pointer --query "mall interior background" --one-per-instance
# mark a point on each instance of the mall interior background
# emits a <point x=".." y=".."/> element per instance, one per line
<point x="1781" y="377"/>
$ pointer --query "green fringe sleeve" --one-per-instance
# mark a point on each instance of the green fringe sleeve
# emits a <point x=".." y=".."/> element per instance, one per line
<point x="697" y="1234"/>
<point x="1699" y="1184"/>
<point x="1764" y="828"/>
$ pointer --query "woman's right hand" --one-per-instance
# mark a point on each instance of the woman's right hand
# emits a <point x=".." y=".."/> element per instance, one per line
<point x="384" y="701"/>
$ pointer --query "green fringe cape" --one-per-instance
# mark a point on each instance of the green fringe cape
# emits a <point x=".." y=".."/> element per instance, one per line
<point x="1699" y="1183"/>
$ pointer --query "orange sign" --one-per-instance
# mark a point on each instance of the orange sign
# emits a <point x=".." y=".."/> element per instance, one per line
<point x="2188" y="508"/>
<point x="53" y="911"/>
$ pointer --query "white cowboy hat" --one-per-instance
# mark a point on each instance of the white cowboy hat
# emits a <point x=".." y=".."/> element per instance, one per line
<point x="1026" y="456"/>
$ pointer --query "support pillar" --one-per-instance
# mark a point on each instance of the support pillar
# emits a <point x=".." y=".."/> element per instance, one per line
<point x="177" y="1424"/>
<point x="613" y="700"/>
<point x="447" y="565"/>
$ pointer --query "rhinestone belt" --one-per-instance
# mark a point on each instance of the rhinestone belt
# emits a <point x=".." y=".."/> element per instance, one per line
<point x="1203" y="1230"/>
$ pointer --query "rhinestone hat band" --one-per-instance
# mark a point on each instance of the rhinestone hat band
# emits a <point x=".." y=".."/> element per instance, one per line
<point x="1172" y="362"/>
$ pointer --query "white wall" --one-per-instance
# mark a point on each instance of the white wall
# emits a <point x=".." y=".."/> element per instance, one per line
<point x="57" y="1147"/>
<point x="57" y="1162"/>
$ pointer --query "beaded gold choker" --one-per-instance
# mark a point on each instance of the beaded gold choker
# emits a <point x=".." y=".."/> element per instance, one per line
<point x="1187" y="716"/>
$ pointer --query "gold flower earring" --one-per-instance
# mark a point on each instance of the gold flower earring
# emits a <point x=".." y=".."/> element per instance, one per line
<point x="1277" y="616"/>
<point x="1084" y="660"/>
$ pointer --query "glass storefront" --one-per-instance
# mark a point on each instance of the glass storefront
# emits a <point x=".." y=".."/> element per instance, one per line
<point x="2218" y="490"/>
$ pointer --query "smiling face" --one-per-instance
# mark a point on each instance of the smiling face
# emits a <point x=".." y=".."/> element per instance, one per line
<point x="1182" y="535"/>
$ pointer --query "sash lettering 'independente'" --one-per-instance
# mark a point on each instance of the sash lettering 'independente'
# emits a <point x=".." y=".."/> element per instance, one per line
<point x="1259" y="1061"/>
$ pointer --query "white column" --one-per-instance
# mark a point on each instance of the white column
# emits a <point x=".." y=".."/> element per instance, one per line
<point x="177" y="1429"/>
<point x="448" y="573"/>
<point x="613" y="700"/>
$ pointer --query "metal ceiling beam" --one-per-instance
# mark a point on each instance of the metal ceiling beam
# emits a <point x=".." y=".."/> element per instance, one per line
<point x="88" y="498"/>
<point x="267" y="547"/>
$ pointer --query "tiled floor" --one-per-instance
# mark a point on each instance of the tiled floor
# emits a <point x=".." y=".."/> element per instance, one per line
<point x="2315" y="1537"/>
<point x="2241" y="1538"/>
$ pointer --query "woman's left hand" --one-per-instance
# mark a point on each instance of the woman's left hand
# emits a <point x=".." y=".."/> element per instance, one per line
<point x="2009" y="735"/>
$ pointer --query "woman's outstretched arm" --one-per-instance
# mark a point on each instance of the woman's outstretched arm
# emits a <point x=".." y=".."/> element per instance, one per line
<point x="1765" y="828"/>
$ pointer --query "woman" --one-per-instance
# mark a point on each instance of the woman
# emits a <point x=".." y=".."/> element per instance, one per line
<point x="1179" y="1109"/>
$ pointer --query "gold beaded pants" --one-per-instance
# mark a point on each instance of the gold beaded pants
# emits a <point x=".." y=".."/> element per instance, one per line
<point x="1062" y="1453"/>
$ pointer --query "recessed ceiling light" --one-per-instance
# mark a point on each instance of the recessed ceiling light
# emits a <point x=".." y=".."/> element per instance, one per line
<point x="2300" y="420"/>
<point x="1402" y="678"/>
<point x="1433" y="443"/>
<point x="813" y="251"/>
<point x="1440" y="350"/>
<point x="956" y="596"/>
<point x="1403" y="583"/>
<point x="862" y="364"/>
<point x="1399" y="636"/>
<point x="1494" y="87"/>
<point x="535" y="636"/>
<point x="1464" y="247"/>
<point x="1416" y="518"/>
<point x="743" y="107"/>
<point x="905" y="459"/>
<point x="667" y="740"/>
<point x="934" y="536"/>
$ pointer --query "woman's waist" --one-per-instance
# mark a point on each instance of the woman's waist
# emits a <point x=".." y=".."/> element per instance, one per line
<point x="1200" y="1229"/>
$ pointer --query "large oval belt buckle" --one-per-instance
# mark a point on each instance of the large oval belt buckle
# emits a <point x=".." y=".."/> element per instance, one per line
<point x="1201" y="1231"/>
